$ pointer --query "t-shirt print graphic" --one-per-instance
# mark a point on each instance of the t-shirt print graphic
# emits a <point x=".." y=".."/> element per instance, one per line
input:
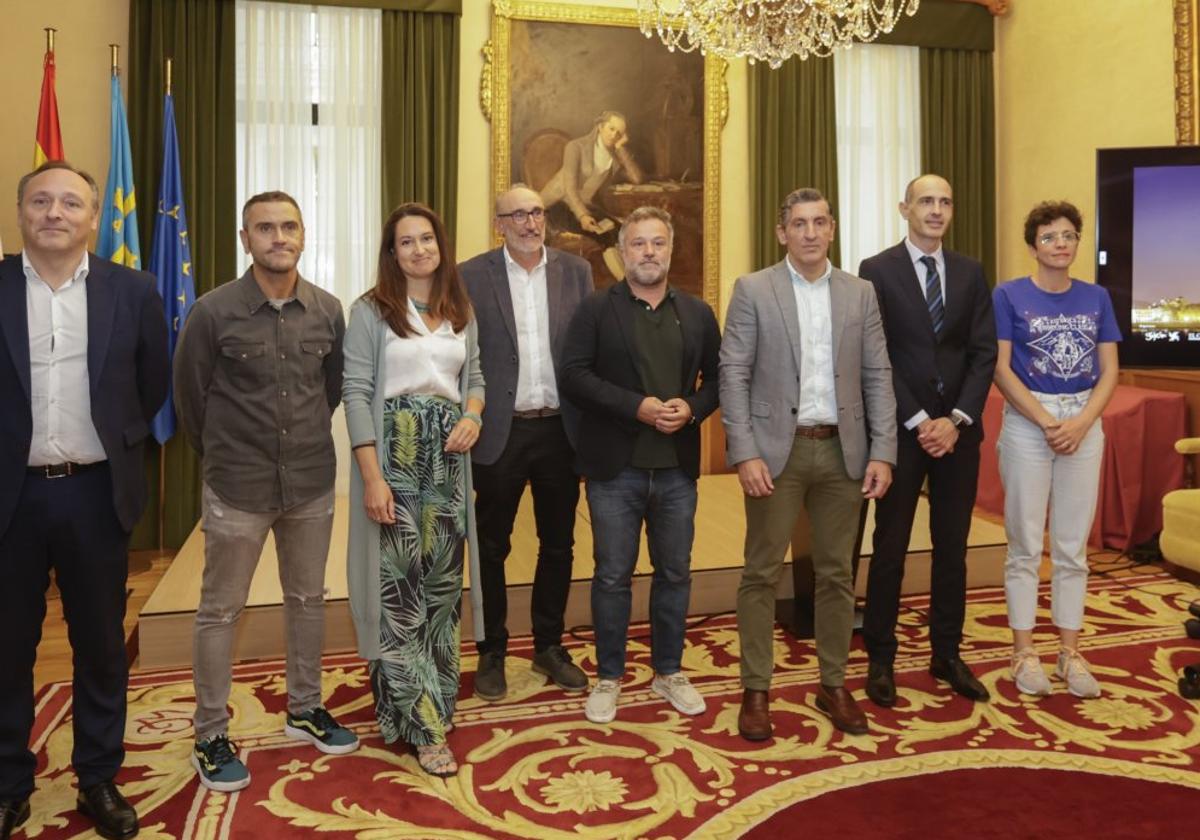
<point x="1064" y="345"/>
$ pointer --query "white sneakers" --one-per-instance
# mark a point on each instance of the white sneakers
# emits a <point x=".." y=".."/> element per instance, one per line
<point x="677" y="691"/>
<point x="601" y="704"/>
<point x="1071" y="667"/>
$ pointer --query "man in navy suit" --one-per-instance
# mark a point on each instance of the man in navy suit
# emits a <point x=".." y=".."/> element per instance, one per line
<point x="941" y="337"/>
<point x="524" y="295"/>
<point x="83" y="370"/>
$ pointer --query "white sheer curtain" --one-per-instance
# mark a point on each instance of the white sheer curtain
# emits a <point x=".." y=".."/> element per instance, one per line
<point x="308" y="123"/>
<point x="309" y="114"/>
<point x="879" y="145"/>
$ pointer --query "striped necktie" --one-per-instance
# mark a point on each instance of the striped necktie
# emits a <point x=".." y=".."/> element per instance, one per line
<point x="933" y="295"/>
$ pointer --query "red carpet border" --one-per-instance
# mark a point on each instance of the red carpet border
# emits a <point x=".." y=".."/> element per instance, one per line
<point x="1126" y="764"/>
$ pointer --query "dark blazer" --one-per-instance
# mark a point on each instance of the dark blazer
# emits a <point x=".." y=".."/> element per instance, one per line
<point x="568" y="283"/>
<point x="127" y="371"/>
<point x="600" y="374"/>
<point x="930" y="372"/>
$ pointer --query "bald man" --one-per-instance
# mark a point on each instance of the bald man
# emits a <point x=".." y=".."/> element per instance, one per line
<point x="941" y="337"/>
<point x="524" y="295"/>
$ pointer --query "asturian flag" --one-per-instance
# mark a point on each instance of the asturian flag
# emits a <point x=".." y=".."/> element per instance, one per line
<point x="118" y="237"/>
<point x="171" y="258"/>
<point x="47" y="145"/>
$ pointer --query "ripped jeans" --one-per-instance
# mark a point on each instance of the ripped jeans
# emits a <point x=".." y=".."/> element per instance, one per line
<point x="233" y="542"/>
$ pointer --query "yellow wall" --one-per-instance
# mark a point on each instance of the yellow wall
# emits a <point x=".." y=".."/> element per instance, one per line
<point x="85" y="29"/>
<point x="1074" y="76"/>
<point x="474" y="157"/>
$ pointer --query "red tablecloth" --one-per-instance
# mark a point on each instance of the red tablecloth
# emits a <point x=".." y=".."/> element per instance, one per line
<point x="1140" y="464"/>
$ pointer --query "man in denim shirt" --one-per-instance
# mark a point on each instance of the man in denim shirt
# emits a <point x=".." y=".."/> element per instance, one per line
<point x="258" y="373"/>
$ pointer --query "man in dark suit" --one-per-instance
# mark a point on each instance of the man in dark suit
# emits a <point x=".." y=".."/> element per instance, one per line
<point x="524" y="295"/>
<point x="641" y="363"/>
<point x="83" y="369"/>
<point x="941" y="337"/>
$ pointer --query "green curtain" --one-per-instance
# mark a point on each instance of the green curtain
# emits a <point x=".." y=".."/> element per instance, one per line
<point x="793" y="143"/>
<point x="199" y="36"/>
<point x="420" y="111"/>
<point x="958" y="141"/>
<point x="946" y="24"/>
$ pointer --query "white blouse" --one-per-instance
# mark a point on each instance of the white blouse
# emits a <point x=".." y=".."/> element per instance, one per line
<point x="425" y="362"/>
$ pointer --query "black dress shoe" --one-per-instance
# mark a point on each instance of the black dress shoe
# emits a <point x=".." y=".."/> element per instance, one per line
<point x="956" y="672"/>
<point x="13" y="812"/>
<point x="881" y="684"/>
<point x="113" y="816"/>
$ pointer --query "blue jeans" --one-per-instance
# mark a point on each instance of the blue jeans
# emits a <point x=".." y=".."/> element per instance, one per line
<point x="666" y="501"/>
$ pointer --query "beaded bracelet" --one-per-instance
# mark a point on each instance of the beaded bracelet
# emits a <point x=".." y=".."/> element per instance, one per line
<point x="475" y="418"/>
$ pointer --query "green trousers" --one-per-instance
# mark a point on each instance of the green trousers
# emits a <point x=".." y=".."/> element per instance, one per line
<point x="814" y="479"/>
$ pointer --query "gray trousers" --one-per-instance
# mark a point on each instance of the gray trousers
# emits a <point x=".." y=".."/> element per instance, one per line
<point x="233" y="542"/>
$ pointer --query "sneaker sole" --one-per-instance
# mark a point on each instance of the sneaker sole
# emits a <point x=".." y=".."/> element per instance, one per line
<point x="608" y="719"/>
<point x="220" y="787"/>
<point x="1073" y="692"/>
<point x="1031" y="692"/>
<point x="329" y="749"/>
<point x="693" y="711"/>
<point x="569" y="689"/>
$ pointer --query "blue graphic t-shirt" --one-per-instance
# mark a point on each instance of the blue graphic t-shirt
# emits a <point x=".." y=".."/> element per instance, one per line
<point x="1055" y="335"/>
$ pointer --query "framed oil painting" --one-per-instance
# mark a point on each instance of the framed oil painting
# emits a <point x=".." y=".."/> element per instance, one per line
<point x="600" y="120"/>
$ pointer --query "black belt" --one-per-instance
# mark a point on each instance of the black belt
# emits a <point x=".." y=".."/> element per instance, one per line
<point x="536" y="413"/>
<point x="817" y="432"/>
<point x="62" y="470"/>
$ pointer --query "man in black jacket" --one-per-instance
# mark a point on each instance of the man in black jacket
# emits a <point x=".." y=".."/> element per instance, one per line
<point x="941" y="337"/>
<point x="641" y="363"/>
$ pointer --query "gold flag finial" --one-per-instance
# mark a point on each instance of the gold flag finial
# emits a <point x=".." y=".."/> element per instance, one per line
<point x="115" y="50"/>
<point x="50" y="30"/>
<point x="168" y="77"/>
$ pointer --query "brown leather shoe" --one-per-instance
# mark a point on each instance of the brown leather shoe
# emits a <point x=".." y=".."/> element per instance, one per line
<point x="754" y="719"/>
<point x="839" y="704"/>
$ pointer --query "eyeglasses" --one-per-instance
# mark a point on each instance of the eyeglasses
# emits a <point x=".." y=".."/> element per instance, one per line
<point x="1070" y="237"/>
<point x="522" y="216"/>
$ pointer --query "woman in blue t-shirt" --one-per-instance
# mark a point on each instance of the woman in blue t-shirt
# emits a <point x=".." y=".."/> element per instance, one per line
<point x="1057" y="369"/>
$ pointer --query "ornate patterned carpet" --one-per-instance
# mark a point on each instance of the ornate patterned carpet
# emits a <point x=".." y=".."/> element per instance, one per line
<point x="1124" y="765"/>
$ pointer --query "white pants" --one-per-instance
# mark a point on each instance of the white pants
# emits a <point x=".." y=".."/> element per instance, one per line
<point x="1035" y="476"/>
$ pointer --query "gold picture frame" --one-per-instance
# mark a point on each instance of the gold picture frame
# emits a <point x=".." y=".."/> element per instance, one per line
<point x="496" y="101"/>
<point x="1187" y="72"/>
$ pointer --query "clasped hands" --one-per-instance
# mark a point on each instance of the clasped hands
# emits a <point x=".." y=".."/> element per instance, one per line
<point x="667" y="417"/>
<point x="1064" y="436"/>
<point x="937" y="436"/>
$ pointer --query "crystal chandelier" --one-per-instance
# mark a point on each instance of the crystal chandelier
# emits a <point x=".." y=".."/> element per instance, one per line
<point x="769" y="30"/>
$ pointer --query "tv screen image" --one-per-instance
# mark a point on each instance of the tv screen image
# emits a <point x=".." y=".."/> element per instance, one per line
<point x="1148" y="251"/>
<point x="1166" y="253"/>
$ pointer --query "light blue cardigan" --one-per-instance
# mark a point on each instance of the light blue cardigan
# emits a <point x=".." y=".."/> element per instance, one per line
<point x="365" y="348"/>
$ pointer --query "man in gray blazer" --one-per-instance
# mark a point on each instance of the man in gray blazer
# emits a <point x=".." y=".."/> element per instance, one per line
<point x="810" y="421"/>
<point x="524" y="295"/>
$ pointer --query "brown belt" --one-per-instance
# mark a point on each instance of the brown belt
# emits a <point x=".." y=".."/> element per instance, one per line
<point x="536" y="413"/>
<point x="817" y="432"/>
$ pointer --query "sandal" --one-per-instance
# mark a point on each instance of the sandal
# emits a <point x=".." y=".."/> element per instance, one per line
<point x="437" y="760"/>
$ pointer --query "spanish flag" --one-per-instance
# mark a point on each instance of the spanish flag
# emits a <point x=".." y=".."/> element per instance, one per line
<point x="47" y="145"/>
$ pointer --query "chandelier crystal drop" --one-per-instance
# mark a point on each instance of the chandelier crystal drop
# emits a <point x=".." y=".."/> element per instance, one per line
<point x="769" y="30"/>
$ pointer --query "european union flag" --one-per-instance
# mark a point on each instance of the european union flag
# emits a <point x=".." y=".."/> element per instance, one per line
<point x="171" y="258"/>
<point x="118" y="239"/>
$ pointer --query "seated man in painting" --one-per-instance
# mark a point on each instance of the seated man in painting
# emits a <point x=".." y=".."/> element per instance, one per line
<point x="589" y="163"/>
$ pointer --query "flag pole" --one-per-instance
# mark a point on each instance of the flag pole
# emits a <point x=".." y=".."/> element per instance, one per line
<point x="162" y="447"/>
<point x="50" y="30"/>
<point x="115" y="50"/>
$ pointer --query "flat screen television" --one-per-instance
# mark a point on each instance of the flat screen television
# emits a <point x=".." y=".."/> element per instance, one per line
<point x="1148" y="251"/>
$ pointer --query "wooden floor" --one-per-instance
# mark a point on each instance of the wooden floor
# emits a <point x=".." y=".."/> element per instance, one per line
<point x="170" y="590"/>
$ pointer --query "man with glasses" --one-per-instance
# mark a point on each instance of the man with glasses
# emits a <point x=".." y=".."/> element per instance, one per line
<point x="937" y="313"/>
<point x="524" y="295"/>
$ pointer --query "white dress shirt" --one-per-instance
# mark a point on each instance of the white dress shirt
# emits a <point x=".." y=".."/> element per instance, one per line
<point x="536" y="385"/>
<point x="60" y="387"/>
<point x="427" y="362"/>
<point x="818" y="397"/>
<point x="939" y="257"/>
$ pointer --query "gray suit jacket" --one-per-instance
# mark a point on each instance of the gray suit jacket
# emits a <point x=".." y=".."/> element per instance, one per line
<point x="760" y="371"/>
<point x="568" y="282"/>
